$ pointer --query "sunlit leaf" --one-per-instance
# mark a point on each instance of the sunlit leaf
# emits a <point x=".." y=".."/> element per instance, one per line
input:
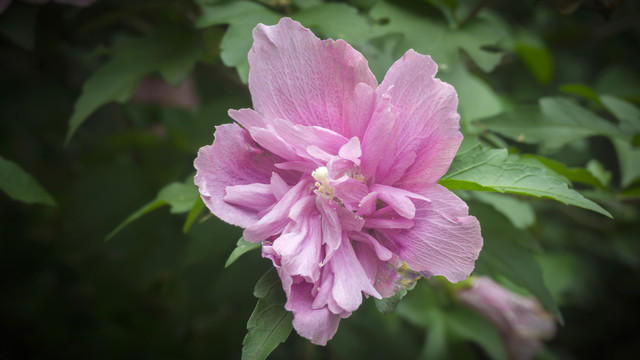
<point x="269" y="324"/>
<point x="485" y="169"/>
<point x="21" y="186"/>
<point x="574" y="174"/>
<point x="242" y="247"/>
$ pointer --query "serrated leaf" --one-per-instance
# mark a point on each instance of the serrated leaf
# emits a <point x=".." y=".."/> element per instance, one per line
<point x="242" y="17"/>
<point x="503" y="254"/>
<point x="21" y="186"/>
<point x="242" y="247"/>
<point x="270" y="324"/>
<point x="574" y="174"/>
<point x="485" y="169"/>
<point x="435" y="38"/>
<point x="554" y="123"/>
<point x="180" y="196"/>
<point x="172" y="50"/>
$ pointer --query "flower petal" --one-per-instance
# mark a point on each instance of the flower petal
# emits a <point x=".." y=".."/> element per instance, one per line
<point x="445" y="240"/>
<point x="427" y="110"/>
<point x="317" y="325"/>
<point x="296" y="76"/>
<point x="233" y="159"/>
<point x="274" y="222"/>
<point x="350" y="279"/>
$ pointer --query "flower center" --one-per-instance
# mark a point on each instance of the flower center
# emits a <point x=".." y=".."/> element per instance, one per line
<point x="321" y="175"/>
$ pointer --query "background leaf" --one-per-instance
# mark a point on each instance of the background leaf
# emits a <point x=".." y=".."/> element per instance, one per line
<point x="242" y="247"/>
<point x="19" y="185"/>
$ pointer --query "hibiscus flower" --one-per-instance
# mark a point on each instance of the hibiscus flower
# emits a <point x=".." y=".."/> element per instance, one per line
<point x="337" y="176"/>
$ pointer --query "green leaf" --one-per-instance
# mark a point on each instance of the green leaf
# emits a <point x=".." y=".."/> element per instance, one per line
<point x="538" y="59"/>
<point x="576" y="174"/>
<point x="20" y="186"/>
<point x="502" y="254"/>
<point x="555" y="123"/>
<point x="172" y="50"/>
<point x="337" y="21"/>
<point x="627" y="113"/>
<point x="477" y="98"/>
<point x="519" y="212"/>
<point x="180" y="196"/>
<point x="485" y="169"/>
<point x="388" y="305"/>
<point x="629" y="160"/>
<point x="269" y="324"/>
<point x="581" y="90"/>
<point x="435" y="38"/>
<point x="242" y="247"/>
<point x="193" y="215"/>
<point x="242" y="17"/>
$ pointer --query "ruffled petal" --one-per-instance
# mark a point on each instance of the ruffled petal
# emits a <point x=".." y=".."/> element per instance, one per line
<point x="274" y="222"/>
<point x="232" y="160"/>
<point x="318" y="325"/>
<point x="444" y="240"/>
<point x="350" y="279"/>
<point x="429" y="136"/>
<point x="295" y="76"/>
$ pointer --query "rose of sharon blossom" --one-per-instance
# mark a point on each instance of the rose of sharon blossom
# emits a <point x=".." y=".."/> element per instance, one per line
<point x="337" y="175"/>
<point x="522" y="323"/>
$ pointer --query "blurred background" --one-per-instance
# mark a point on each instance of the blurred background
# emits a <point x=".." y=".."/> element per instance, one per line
<point x="105" y="104"/>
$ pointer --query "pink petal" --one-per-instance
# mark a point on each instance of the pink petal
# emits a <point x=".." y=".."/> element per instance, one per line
<point x="445" y="240"/>
<point x="358" y="111"/>
<point x="274" y="222"/>
<point x="299" y="245"/>
<point x="296" y="76"/>
<point x="350" y="279"/>
<point x="233" y="159"/>
<point x="381" y="132"/>
<point x="256" y="197"/>
<point x="317" y="325"/>
<point x="398" y="199"/>
<point x="427" y="111"/>
<point x="247" y="118"/>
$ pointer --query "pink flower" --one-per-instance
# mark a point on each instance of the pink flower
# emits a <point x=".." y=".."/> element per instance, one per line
<point x="337" y="175"/>
<point x="522" y="322"/>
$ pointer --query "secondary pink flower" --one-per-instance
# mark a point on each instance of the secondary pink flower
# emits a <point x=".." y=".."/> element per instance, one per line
<point x="522" y="322"/>
<point x="337" y="175"/>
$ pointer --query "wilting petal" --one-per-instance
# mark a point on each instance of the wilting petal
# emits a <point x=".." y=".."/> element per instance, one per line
<point x="233" y="159"/>
<point x="427" y="111"/>
<point x="293" y="75"/>
<point x="445" y="240"/>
